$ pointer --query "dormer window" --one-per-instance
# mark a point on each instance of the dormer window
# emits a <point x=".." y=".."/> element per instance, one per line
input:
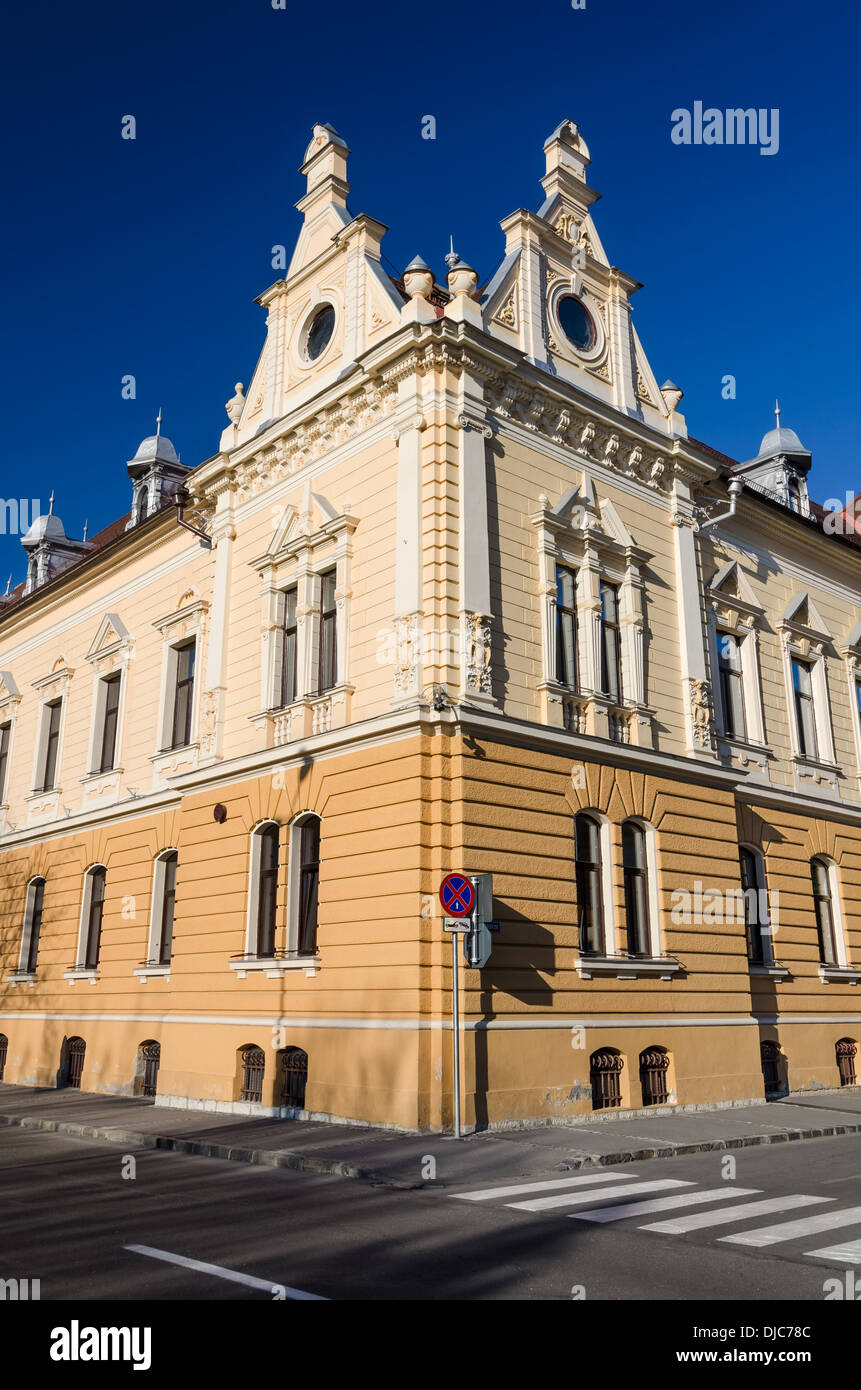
<point x="794" y="490"/>
<point x="156" y="475"/>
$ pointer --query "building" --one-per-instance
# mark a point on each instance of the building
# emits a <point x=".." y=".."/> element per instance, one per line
<point x="457" y="591"/>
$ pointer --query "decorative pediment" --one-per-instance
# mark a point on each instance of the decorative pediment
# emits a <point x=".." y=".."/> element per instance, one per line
<point x="186" y="619"/>
<point x="579" y="515"/>
<point x="731" y="597"/>
<point x="112" y="637"/>
<point x="852" y="645"/>
<point x="802" y="619"/>
<point x="9" y="692"/>
<point x="298" y="530"/>
<point x="54" y="685"/>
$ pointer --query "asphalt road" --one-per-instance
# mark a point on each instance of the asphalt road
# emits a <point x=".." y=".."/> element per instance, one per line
<point x="68" y="1218"/>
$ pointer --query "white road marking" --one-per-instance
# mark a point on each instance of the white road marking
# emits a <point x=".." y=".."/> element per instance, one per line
<point x="573" y="1199"/>
<point x="250" y="1280"/>
<point x="555" y="1183"/>
<point x="850" y="1253"/>
<point x="680" y="1199"/>
<point x="788" y="1230"/>
<point x="701" y="1219"/>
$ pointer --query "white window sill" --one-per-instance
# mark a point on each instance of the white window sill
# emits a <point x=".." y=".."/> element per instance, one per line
<point x="771" y="972"/>
<point x="839" y="974"/>
<point x="274" y="968"/>
<point x="21" y="977"/>
<point x="80" y="974"/>
<point x="145" y="972"/>
<point x="628" y="968"/>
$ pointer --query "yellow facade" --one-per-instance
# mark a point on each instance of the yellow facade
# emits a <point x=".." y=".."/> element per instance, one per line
<point x="442" y="471"/>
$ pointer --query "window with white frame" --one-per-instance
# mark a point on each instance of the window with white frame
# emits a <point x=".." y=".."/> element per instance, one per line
<point x="49" y="746"/>
<point x="33" y="906"/>
<point x="107" y="722"/>
<point x="805" y="640"/>
<point x="92" y="913"/>
<point x="827" y="911"/>
<point x="5" y="745"/>
<point x="327" y="634"/>
<point x="611" y="649"/>
<point x="286" y="677"/>
<point x="263" y="884"/>
<point x="183" y="634"/>
<point x="566" y="626"/>
<point x="163" y="908"/>
<point x="594" y="883"/>
<point x="730" y="675"/>
<point x="758" y="924"/>
<point x="304" y="881"/>
<point x="635" y="872"/>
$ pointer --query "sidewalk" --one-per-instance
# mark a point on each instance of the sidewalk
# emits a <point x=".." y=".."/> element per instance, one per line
<point x="399" y="1160"/>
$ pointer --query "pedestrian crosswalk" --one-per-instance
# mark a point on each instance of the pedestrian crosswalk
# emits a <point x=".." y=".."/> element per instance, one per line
<point x="596" y="1196"/>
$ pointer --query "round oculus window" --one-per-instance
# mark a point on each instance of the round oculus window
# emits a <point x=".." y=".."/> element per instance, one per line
<point x="576" y="323"/>
<point x="319" y="333"/>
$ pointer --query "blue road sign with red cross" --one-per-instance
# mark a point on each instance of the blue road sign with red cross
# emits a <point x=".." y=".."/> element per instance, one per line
<point x="457" y="895"/>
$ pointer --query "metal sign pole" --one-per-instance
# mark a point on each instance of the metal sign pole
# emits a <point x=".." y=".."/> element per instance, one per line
<point x="455" y="1025"/>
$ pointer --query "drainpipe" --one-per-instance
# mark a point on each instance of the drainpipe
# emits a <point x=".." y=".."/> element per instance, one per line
<point x="736" y="487"/>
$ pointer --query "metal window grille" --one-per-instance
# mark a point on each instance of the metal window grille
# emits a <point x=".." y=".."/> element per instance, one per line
<point x="150" y="1055"/>
<point x="846" y="1050"/>
<point x="4" y="1046"/>
<point x="605" y="1074"/>
<point x="253" y="1064"/>
<point x="771" y="1057"/>
<point x="294" y="1077"/>
<point x="77" y="1048"/>
<point x="654" y="1070"/>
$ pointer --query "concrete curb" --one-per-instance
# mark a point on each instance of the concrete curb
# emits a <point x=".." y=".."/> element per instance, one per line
<point x="327" y="1167"/>
<point x="282" y="1158"/>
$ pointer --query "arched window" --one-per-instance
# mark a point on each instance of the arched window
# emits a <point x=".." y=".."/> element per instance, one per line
<point x="304" y="884"/>
<point x="846" y="1050"/>
<point x="654" y="1073"/>
<point x="163" y="907"/>
<point x="146" y="1068"/>
<point x="636" y="879"/>
<point x="605" y="1074"/>
<point x="263" y="891"/>
<point x="32" y="925"/>
<point x="92" y="911"/>
<point x="752" y="872"/>
<point x="587" y="844"/>
<point x="4" y="1048"/>
<point x="294" y="1077"/>
<point x="825" y="908"/>
<point x="253" y="1060"/>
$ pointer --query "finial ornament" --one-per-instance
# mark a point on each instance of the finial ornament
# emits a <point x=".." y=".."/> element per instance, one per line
<point x="452" y="259"/>
<point x="777" y="413"/>
<point x="158" y="424"/>
<point x="51" y="503"/>
<point x="8" y="587"/>
<point x="86" y="524"/>
<point x="235" y="405"/>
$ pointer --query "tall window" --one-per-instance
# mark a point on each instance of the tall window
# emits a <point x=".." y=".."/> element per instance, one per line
<point x="309" y="883"/>
<point x="166" y="906"/>
<point x="110" y="694"/>
<point x="587" y="839"/>
<point x="752" y="883"/>
<point x="805" y="718"/>
<point x="731" y="687"/>
<point x="32" y="924"/>
<point x="566" y="626"/>
<point x="288" y="649"/>
<point x="94" y="906"/>
<point x="183" y="695"/>
<point x="636" y="879"/>
<point x="327" y="675"/>
<point x="824" y="909"/>
<point x="611" y="651"/>
<point x="50" y="747"/>
<point x="267" y="889"/>
<point x="5" y="740"/>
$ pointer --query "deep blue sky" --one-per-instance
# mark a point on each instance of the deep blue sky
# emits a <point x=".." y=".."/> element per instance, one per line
<point x="144" y="257"/>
